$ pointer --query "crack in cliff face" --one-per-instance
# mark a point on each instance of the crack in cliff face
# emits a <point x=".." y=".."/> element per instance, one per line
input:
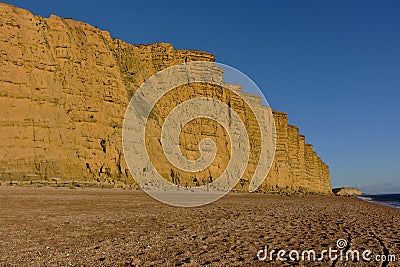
<point x="76" y="82"/>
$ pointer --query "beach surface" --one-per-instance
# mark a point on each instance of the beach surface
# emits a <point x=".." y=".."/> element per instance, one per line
<point x="50" y="226"/>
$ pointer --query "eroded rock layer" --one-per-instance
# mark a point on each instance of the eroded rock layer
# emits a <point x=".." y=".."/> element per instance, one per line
<point x="64" y="89"/>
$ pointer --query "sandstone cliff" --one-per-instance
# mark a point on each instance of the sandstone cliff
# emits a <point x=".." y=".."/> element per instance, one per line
<point x="64" y="89"/>
<point x="347" y="191"/>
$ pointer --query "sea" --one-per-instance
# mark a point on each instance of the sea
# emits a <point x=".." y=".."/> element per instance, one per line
<point x="392" y="200"/>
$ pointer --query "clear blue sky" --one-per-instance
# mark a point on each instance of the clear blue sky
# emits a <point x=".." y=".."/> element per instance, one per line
<point x="333" y="66"/>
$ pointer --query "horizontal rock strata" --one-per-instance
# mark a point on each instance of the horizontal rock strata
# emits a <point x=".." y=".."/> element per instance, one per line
<point x="64" y="89"/>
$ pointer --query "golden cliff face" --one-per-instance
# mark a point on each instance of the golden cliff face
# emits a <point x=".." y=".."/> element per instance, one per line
<point x="296" y="167"/>
<point x="64" y="89"/>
